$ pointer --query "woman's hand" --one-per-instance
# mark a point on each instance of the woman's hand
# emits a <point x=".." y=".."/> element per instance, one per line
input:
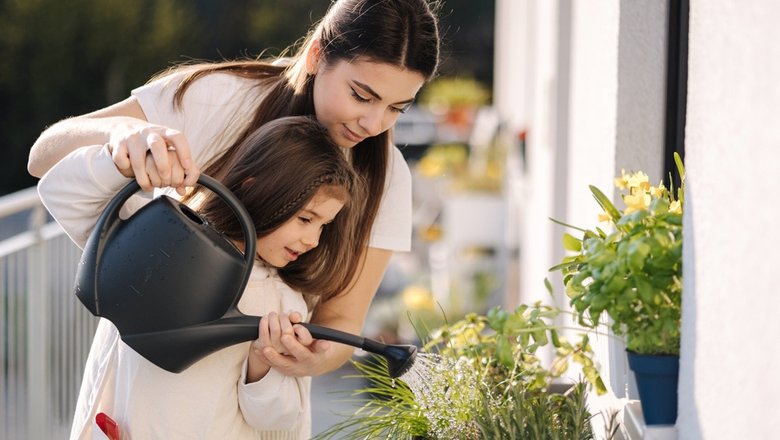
<point x="287" y="347"/>
<point x="177" y="173"/>
<point x="155" y="155"/>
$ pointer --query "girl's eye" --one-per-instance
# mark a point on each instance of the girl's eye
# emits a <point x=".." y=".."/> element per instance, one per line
<point x="357" y="96"/>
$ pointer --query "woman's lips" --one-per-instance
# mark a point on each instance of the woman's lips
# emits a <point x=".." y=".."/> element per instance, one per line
<point x="352" y="136"/>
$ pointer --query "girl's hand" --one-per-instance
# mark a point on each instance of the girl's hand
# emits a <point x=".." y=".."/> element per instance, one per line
<point x="156" y="156"/>
<point x="289" y="348"/>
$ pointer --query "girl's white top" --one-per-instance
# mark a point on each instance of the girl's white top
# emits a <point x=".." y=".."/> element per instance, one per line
<point x="210" y="399"/>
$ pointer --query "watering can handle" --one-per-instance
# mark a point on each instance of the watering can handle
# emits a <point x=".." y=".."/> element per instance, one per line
<point x="111" y="214"/>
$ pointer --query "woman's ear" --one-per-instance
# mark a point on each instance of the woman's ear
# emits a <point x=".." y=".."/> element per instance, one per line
<point x="313" y="56"/>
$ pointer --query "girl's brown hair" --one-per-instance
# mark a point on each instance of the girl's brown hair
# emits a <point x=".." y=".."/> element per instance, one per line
<point x="403" y="33"/>
<point x="275" y="171"/>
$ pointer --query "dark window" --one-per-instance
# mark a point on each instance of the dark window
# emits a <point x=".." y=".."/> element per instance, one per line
<point x="676" y="85"/>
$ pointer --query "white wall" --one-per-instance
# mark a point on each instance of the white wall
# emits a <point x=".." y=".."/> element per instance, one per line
<point x="536" y="252"/>
<point x="513" y="30"/>
<point x="593" y="129"/>
<point x="729" y="383"/>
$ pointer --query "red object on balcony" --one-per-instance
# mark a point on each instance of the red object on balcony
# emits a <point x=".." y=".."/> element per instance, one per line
<point x="108" y="426"/>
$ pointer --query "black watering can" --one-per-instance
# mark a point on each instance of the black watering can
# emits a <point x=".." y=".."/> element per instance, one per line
<point x="171" y="283"/>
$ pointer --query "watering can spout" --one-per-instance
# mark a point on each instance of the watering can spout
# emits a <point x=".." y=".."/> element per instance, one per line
<point x="176" y="349"/>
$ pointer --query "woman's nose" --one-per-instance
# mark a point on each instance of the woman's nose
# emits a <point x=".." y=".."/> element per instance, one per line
<point x="372" y="122"/>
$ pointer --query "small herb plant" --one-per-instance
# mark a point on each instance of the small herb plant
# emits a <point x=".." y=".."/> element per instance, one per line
<point x="482" y="378"/>
<point x="634" y="272"/>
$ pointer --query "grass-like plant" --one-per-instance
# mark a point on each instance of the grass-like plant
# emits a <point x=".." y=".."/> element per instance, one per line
<point x="387" y="407"/>
<point x="526" y="414"/>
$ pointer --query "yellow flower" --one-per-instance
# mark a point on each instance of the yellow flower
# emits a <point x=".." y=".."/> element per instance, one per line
<point x="658" y="191"/>
<point x="431" y="233"/>
<point x="636" y="202"/>
<point x="604" y="217"/>
<point x="465" y="338"/>
<point x="621" y="182"/>
<point x="675" y="207"/>
<point x="417" y="298"/>
<point x="430" y="167"/>
<point x="638" y="180"/>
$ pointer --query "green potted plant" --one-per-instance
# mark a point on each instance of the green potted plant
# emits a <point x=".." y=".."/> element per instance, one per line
<point x="455" y="100"/>
<point x="480" y="377"/>
<point x="634" y="274"/>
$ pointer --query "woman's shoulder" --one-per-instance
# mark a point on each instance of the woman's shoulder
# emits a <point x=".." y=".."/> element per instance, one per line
<point x="397" y="167"/>
<point x="213" y="84"/>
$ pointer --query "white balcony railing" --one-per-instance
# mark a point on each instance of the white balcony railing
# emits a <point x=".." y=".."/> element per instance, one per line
<point x="45" y="332"/>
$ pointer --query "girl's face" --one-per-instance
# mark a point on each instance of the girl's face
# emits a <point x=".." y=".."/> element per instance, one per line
<point x="300" y="233"/>
<point x="359" y="99"/>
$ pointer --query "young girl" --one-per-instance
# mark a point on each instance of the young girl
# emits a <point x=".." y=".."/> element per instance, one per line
<point x="293" y="181"/>
<point x="357" y="71"/>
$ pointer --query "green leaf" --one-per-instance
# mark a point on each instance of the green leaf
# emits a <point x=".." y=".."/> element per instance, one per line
<point x="559" y="366"/>
<point x="540" y="337"/>
<point x="592" y="375"/>
<point x="504" y="352"/>
<point x="571" y="243"/>
<point x="556" y="342"/>
<point x="513" y="324"/>
<point x="680" y="167"/>
<point x="606" y="205"/>
<point x="563" y="266"/>
<point x="566" y="224"/>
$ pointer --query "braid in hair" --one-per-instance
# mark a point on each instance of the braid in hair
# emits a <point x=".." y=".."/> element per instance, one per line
<point x="305" y="194"/>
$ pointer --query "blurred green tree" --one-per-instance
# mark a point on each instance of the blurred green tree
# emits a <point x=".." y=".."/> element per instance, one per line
<point x="65" y="58"/>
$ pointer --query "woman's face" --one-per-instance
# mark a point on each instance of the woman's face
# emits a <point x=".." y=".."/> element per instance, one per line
<point x="301" y="233"/>
<point x="360" y="99"/>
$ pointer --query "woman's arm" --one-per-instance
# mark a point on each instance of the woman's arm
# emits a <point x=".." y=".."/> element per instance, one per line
<point x="346" y="312"/>
<point x="90" y="129"/>
<point x="125" y="128"/>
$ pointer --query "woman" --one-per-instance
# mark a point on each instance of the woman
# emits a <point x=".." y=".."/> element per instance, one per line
<point x="359" y="68"/>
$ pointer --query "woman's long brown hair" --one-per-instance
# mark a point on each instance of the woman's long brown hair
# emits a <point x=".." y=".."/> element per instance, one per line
<point x="403" y="33"/>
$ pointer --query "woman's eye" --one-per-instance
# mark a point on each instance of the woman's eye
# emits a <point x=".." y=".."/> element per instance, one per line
<point x="359" y="98"/>
<point x="399" y="110"/>
<point x="304" y="219"/>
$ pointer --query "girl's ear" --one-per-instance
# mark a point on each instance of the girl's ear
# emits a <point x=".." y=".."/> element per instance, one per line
<point x="313" y="56"/>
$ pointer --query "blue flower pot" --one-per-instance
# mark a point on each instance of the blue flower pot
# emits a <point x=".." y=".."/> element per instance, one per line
<point x="656" y="377"/>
